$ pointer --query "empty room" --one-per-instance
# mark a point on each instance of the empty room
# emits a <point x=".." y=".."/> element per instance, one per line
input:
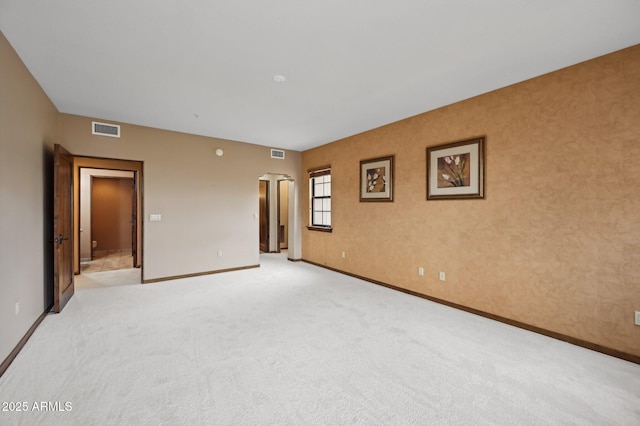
<point x="322" y="213"/>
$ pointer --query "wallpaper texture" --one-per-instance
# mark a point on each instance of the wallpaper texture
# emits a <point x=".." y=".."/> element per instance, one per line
<point x="555" y="243"/>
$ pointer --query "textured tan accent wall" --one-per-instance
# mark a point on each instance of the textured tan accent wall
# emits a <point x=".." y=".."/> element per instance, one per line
<point x="556" y="242"/>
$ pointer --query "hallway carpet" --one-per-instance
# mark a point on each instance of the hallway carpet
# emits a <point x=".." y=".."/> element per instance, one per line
<point x="294" y="344"/>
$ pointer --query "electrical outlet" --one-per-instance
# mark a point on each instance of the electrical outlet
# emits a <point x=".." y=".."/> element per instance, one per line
<point x="442" y="276"/>
<point x="637" y="317"/>
<point x="219" y="253"/>
<point x="420" y="270"/>
<point x="17" y="308"/>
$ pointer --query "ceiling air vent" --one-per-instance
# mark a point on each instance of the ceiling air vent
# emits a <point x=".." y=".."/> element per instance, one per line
<point x="104" y="129"/>
<point x="277" y="153"/>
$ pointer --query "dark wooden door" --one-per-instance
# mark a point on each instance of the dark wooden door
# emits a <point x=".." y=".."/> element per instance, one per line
<point x="62" y="227"/>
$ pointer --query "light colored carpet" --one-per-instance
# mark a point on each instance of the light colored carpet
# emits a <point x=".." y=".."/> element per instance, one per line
<point x="293" y="344"/>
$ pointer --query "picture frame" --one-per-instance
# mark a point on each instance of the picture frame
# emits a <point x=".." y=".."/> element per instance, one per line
<point x="376" y="179"/>
<point x="456" y="170"/>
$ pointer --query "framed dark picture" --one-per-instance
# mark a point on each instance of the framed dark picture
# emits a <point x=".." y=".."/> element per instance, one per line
<point x="456" y="170"/>
<point x="376" y="179"/>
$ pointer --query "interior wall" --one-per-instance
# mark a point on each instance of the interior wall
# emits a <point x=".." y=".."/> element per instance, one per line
<point x="556" y="242"/>
<point x="207" y="202"/>
<point x="28" y="127"/>
<point x="112" y="210"/>
<point x="85" y="205"/>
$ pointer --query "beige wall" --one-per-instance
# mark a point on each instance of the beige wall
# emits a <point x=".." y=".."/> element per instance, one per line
<point x="28" y="126"/>
<point x="112" y="201"/>
<point x="207" y="202"/>
<point x="556" y="242"/>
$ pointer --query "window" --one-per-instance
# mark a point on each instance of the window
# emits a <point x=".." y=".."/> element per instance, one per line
<point x="320" y="190"/>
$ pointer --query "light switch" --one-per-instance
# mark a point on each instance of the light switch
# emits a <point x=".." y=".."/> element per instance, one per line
<point x="155" y="217"/>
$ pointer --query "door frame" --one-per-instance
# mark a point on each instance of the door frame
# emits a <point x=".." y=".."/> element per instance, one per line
<point x="273" y="208"/>
<point x="110" y="164"/>
<point x="279" y="209"/>
<point x="132" y="214"/>
<point x="267" y="207"/>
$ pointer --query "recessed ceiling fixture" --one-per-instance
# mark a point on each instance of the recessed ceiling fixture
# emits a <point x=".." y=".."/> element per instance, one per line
<point x="279" y="78"/>
<point x="219" y="152"/>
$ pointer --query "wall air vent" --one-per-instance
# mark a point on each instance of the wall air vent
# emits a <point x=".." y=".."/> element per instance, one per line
<point x="277" y="153"/>
<point x="104" y="129"/>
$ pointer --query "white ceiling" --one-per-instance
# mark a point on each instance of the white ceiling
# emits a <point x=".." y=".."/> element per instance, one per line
<point x="207" y="66"/>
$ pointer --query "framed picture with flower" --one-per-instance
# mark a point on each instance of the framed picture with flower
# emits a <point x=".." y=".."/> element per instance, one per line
<point x="376" y="179"/>
<point x="456" y="170"/>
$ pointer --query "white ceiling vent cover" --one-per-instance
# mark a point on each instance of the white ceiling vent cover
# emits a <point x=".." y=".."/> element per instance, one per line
<point x="277" y="153"/>
<point x="105" y="129"/>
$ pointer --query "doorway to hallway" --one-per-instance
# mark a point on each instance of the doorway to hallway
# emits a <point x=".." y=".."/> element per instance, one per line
<point x="67" y="215"/>
<point x="276" y="193"/>
<point x="107" y="224"/>
<point x="107" y="214"/>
